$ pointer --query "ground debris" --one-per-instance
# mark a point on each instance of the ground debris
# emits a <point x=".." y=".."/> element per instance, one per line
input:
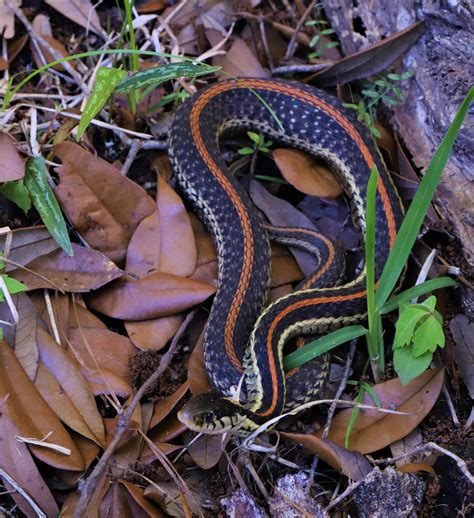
<point x="292" y="500"/>
<point x="242" y="503"/>
<point x="389" y="493"/>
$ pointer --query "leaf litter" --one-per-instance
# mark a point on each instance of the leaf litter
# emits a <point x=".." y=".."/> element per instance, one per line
<point x="70" y="367"/>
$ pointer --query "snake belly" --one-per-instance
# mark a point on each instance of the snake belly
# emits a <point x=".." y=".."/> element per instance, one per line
<point x="242" y="336"/>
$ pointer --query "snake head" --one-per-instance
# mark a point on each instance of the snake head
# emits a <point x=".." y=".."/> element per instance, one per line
<point x="211" y="413"/>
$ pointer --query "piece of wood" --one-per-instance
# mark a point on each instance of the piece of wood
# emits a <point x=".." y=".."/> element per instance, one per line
<point x="443" y="63"/>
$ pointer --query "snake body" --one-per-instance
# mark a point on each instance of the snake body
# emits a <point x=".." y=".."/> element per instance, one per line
<point x="242" y="336"/>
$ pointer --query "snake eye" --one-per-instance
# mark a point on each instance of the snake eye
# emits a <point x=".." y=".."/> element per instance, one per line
<point x="209" y="417"/>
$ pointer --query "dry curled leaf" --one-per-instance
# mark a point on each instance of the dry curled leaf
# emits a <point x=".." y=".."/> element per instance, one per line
<point x="104" y="206"/>
<point x="42" y="27"/>
<point x="158" y="295"/>
<point x="350" y="463"/>
<point x="207" y="450"/>
<point x="164" y="407"/>
<point x="81" y="12"/>
<point x="153" y="334"/>
<point x="305" y="174"/>
<point x="375" y="430"/>
<point x="86" y="270"/>
<point x="12" y="166"/>
<point x="32" y="415"/>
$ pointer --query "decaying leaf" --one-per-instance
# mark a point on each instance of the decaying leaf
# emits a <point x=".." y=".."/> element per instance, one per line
<point x="374" y="430"/>
<point x="351" y="464"/>
<point x="463" y="334"/>
<point x="164" y="407"/>
<point x="17" y="461"/>
<point x="306" y="175"/>
<point x="81" y="12"/>
<point x="158" y="295"/>
<point x="42" y="26"/>
<point x="87" y="270"/>
<point x="32" y="416"/>
<point x="206" y="450"/>
<point x="7" y="20"/>
<point x="12" y="166"/>
<point x="105" y="206"/>
<point x="153" y="334"/>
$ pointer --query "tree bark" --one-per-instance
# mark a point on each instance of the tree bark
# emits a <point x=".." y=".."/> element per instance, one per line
<point x="443" y="63"/>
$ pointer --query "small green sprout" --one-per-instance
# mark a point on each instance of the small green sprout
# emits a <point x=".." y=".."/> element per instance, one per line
<point x="316" y="40"/>
<point x="259" y="144"/>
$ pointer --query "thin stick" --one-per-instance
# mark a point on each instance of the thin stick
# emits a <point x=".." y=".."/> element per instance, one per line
<point x="88" y="486"/>
<point x="6" y="477"/>
<point x="349" y="490"/>
<point x="291" y="46"/>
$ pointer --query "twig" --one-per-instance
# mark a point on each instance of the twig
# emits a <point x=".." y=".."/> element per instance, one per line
<point x="430" y="446"/>
<point x="43" y="43"/>
<point x="132" y="153"/>
<point x="6" y="477"/>
<point x="293" y="69"/>
<point x="291" y="46"/>
<point x="249" y="466"/>
<point x="349" y="490"/>
<point x="87" y="487"/>
<point x="263" y="35"/>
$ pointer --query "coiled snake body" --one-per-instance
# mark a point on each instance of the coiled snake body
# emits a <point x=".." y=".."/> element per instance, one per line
<point x="242" y="336"/>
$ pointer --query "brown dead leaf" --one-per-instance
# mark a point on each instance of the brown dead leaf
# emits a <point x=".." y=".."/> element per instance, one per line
<point x="137" y="500"/>
<point x="167" y="430"/>
<point x="60" y="313"/>
<point x="164" y="407"/>
<point x="101" y="348"/>
<point x="104" y="381"/>
<point x="282" y="214"/>
<point x="158" y="295"/>
<point x="73" y="385"/>
<point x="374" y="430"/>
<point x="23" y="335"/>
<point x="463" y="335"/>
<point x="284" y="269"/>
<point x="417" y="467"/>
<point x="42" y="26"/>
<point x="32" y="416"/>
<point x="350" y="463"/>
<point x="239" y="61"/>
<point x="81" y="12"/>
<point x="87" y="270"/>
<point x="80" y="316"/>
<point x="371" y="60"/>
<point x="7" y="21"/>
<point x="206" y="267"/>
<point x="164" y="241"/>
<point x="154" y="334"/>
<point x="17" y="461"/>
<point x="27" y="245"/>
<point x="105" y="206"/>
<point x="12" y="166"/>
<point x="14" y="48"/>
<point x="280" y="291"/>
<point x="207" y="450"/>
<point x="197" y="375"/>
<point x="305" y="174"/>
<point x="151" y="6"/>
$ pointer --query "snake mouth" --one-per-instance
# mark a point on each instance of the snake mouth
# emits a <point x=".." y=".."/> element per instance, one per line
<point x="210" y="414"/>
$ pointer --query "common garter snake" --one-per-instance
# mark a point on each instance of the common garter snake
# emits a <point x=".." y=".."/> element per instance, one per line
<point x="242" y="336"/>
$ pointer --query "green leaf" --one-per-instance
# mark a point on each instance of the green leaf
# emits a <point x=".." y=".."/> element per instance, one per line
<point x="410" y="316"/>
<point x="322" y="345"/>
<point x="416" y="213"/>
<point x="416" y="291"/>
<point x="314" y="40"/>
<point x="430" y="303"/>
<point x="428" y="335"/>
<point x="407" y="366"/>
<point x="370" y="93"/>
<point x="375" y="132"/>
<point x="246" y="151"/>
<point x="325" y="32"/>
<point x="13" y="285"/>
<point x="407" y="75"/>
<point x="45" y="202"/>
<point x="255" y="137"/>
<point x="351" y="106"/>
<point x="17" y="193"/>
<point x="394" y="77"/>
<point x="373" y="395"/>
<point x="388" y="100"/>
<point x="160" y="74"/>
<point x="105" y="82"/>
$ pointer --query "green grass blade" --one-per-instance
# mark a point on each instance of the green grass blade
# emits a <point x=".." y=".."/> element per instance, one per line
<point x="322" y="345"/>
<point x="416" y="213"/>
<point x="105" y="82"/>
<point x="416" y="291"/>
<point x="372" y="335"/>
<point x="45" y="202"/>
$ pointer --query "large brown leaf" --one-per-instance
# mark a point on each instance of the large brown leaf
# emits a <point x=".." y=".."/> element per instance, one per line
<point x="375" y="430"/>
<point x="372" y="59"/>
<point x="153" y="334"/>
<point x="105" y="206"/>
<point x="32" y="415"/>
<point x="17" y="461"/>
<point x="350" y="463"/>
<point x="27" y="245"/>
<point x="87" y="270"/>
<point x="12" y="166"/>
<point x="80" y="11"/>
<point x="158" y="295"/>
<point x="68" y="376"/>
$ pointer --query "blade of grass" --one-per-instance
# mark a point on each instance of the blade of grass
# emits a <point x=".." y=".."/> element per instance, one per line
<point x="416" y="213"/>
<point x="416" y="291"/>
<point x="322" y="345"/>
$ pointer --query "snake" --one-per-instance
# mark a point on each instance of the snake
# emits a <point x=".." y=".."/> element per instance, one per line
<point x="244" y="338"/>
